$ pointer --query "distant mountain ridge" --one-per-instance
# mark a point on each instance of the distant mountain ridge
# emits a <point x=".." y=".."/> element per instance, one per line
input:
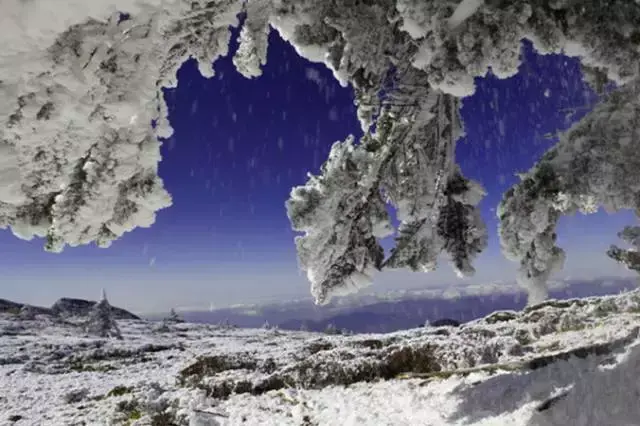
<point x="397" y="313"/>
<point x="64" y="307"/>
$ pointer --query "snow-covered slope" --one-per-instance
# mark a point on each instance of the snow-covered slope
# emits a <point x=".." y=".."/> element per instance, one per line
<point x="562" y="362"/>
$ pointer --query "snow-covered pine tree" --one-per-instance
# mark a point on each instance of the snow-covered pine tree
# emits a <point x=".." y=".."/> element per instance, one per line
<point x="225" y="324"/>
<point x="162" y="327"/>
<point x="173" y="317"/>
<point x="331" y="329"/>
<point x="101" y="322"/>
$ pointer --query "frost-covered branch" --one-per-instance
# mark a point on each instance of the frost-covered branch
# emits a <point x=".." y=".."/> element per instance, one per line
<point x="79" y="152"/>
<point x="596" y="163"/>
<point x="341" y="213"/>
<point x="81" y="111"/>
<point x="410" y="162"/>
<point x="434" y="202"/>
<point x="630" y="258"/>
<point x="252" y="50"/>
<point x="458" y="40"/>
<point x="449" y="43"/>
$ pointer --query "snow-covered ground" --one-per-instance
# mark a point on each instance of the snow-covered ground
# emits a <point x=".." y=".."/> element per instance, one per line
<point x="558" y="363"/>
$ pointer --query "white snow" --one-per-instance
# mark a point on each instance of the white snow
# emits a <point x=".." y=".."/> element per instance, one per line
<point x="464" y="11"/>
<point x="499" y="370"/>
<point x="29" y="26"/>
<point x="10" y="191"/>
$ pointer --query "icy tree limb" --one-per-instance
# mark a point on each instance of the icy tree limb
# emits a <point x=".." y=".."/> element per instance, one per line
<point x="449" y="58"/>
<point x="359" y="41"/>
<point x="435" y="203"/>
<point x="629" y="258"/>
<point x="252" y="51"/>
<point x="79" y="152"/>
<point x="528" y="218"/>
<point x="88" y="169"/>
<point x="460" y="40"/>
<point x="595" y="163"/>
<point x="341" y="213"/>
<point x="411" y="163"/>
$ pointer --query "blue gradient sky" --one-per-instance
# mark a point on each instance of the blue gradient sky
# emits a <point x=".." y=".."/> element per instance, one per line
<point x="238" y="148"/>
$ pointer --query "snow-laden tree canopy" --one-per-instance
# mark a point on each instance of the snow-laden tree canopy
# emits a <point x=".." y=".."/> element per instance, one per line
<point x="631" y="257"/>
<point x="595" y="163"/>
<point x="81" y="112"/>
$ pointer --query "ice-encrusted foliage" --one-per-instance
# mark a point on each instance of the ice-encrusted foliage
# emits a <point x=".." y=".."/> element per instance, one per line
<point x="446" y="49"/>
<point x="460" y="227"/>
<point x="80" y="137"/>
<point x="252" y="49"/>
<point x="454" y="50"/>
<point x="630" y="257"/>
<point x="79" y="153"/>
<point x="595" y="164"/>
<point x="528" y="218"/>
<point x="412" y="152"/>
<point x="358" y="41"/>
<point x="456" y="229"/>
<point x="434" y="202"/>
<point x="342" y="211"/>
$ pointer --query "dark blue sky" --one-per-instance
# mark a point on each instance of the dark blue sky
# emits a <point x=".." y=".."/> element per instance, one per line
<point x="240" y="145"/>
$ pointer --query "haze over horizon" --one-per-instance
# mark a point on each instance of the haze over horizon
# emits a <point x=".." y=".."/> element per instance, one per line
<point x="240" y="146"/>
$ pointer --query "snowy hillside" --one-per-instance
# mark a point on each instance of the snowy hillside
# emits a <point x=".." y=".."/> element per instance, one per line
<point x="561" y="362"/>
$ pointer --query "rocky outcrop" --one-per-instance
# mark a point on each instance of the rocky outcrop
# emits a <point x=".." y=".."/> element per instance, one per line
<point x="445" y="322"/>
<point x="68" y="307"/>
<point x="9" y="307"/>
<point x="64" y="307"/>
